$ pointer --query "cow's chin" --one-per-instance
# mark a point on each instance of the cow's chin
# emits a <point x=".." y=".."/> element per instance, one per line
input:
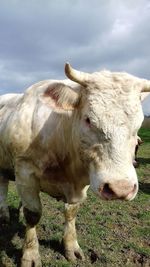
<point x="125" y="190"/>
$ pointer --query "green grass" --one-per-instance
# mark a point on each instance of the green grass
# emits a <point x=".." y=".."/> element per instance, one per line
<point x="110" y="233"/>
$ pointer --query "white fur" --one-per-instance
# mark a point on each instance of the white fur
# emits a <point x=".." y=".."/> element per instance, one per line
<point x="59" y="137"/>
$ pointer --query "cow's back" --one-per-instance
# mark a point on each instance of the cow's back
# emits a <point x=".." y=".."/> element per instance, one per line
<point x="26" y="124"/>
<point x="17" y="126"/>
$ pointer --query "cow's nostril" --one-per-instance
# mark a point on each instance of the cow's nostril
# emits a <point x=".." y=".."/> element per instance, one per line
<point x="107" y="191"/>
<point x="131" y="194"/>
<point x="135" y="186"/>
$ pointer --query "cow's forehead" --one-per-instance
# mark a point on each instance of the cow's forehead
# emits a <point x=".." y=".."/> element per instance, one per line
<point x="111" y="90"/>
<point x="118" y="81"/>
<point x="112" y="102"/>
<point x="107" y="109"/>
<point x="112" y="95"/>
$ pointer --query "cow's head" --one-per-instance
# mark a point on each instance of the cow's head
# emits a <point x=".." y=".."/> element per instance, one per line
<point x="109" y="117"/>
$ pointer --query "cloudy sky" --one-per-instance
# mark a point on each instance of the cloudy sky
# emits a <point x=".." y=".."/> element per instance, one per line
<point x="38" y="36"/>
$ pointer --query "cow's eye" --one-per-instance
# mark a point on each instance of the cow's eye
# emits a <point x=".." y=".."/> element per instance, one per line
<point x="87" y="120"/>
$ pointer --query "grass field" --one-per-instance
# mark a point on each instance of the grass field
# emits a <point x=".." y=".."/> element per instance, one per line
<point x="110" y="233"/>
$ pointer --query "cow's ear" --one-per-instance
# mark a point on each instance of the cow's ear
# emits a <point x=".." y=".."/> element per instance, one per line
<point x="60" y="97"/>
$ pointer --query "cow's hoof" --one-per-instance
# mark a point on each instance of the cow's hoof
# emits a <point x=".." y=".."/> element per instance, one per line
<point x="4" y="215"/>
<point x="73" y="254"/>
<point x="30" y="259"/>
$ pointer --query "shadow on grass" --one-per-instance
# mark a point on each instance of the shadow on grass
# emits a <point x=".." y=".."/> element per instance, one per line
<point x="143" y="161"/>
<point x="144" y="187"/>
<point x="1" y="264"/>
<point x="7" y="232"/>
<point x="54" y="244"/>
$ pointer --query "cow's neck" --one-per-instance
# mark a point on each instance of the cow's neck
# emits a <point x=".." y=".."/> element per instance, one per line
<point x="67" y="146"/>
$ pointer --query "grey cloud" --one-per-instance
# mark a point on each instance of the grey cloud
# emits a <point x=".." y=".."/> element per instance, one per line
<point x="38" y="37"/>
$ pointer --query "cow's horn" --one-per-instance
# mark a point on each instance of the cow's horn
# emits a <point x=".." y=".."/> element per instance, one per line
<point x="146" y="86"/>
<point x="75" y="75"/>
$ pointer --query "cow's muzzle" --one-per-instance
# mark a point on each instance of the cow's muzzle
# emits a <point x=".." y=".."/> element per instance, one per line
<point x="120" y="189"/>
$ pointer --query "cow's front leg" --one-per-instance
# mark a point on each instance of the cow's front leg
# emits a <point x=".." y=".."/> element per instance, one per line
<point x="4" y="211"/>
<point x="31" y="256"/>
<point x="32" y="212"/>
<point x="28" y="189"/>
<point x="71" y="246"/>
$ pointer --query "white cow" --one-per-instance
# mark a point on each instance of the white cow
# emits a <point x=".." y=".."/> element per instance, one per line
<point x="59" y="137"/>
